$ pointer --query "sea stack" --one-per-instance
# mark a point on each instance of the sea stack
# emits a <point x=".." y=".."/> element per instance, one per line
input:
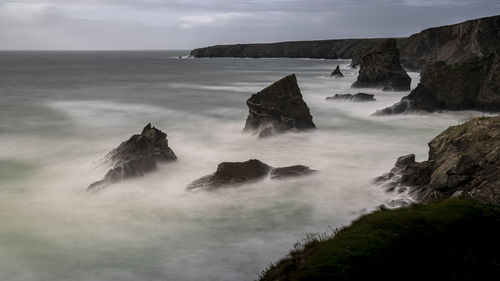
<point x="278" y="108"/>
<point x="136" y="156"/>
<point x="337" y="73"/>
<point x="380" y="68"/>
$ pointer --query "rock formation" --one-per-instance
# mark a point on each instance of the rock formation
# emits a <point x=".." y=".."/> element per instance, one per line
<point x="474" y="84"/>
<point x="278" y="108"/>
<point x="359" y="97"/>
<point x="136" y="156"/>
<point x="464" y="162"/>
<point x="452" y="43"/>
<point x="380" y="68"/>
<point x="336" y="73"/>
<point x="237" y="173"/>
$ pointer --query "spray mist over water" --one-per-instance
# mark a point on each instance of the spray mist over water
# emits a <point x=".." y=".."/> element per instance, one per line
<point x="62" y="112"/>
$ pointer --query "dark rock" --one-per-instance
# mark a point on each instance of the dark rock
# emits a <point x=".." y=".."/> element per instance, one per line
<point x="337" y="73"/>
<point x="237" y="173"/>
<point x="474" y="84"/>
<point x="278" y="108"/>
<point x="136" y="156"/>
<point x="464" y="161"/>
<point x="380" y="68"/>
<point x="292" y="171"/>
<point x="405" y="161"/>
<point x="359" y="97"/>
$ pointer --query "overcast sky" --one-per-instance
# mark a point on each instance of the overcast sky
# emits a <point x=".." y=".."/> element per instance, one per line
<point x="186" y="24"/>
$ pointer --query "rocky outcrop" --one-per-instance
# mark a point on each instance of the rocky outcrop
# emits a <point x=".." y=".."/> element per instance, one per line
<point x="359" y="97"/>
<point x="278" y="108"/>
<point x="323" y="49"/>
<point x="380" y="68"/>
<point x="238" y="173"/>
<point x="136" y="156"/>
<point x="336" y="73"/>
<point x="464" y="162"/>
<point x="452" y="43"/>
<point x="474" y="84"/>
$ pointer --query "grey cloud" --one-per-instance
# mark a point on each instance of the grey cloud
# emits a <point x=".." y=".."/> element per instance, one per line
<point x="162" y="24"/>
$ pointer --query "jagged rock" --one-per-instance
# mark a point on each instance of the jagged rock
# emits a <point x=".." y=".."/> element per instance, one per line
<point x="464" y="161"/>
<point x="336" y="73"/>
<point x="474" y="84"/>
<point x="359" y="97"/>
<point x="237" y="173"/>
<point x="278" y="108"/>
<point x="136" y="156"/>
<point x="380" y="68"/>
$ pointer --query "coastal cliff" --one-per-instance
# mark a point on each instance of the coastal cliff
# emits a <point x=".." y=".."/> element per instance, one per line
<point x="323" y="49"/>
<point x="451" y="44"/>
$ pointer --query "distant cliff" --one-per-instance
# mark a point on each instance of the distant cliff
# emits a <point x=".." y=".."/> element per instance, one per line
<point x="325" y="49"/>
<point x="451" y="44"/>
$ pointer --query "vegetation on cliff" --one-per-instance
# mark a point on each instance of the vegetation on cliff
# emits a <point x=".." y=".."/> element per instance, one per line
<point x="449" y="240"/>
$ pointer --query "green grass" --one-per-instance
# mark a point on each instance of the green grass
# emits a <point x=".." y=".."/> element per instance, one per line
<point x="450" y="240"/>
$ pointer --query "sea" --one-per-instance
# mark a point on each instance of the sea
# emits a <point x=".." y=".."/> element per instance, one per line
<point x="62" y="112"/>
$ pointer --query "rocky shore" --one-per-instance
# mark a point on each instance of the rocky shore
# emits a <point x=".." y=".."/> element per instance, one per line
<point x="453" y="236"/>
<point x="464" y="162"/>
<point x="473" y="84"/>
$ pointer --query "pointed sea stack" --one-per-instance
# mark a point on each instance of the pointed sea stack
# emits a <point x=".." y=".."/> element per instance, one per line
<point x="380" y="68"/>
<point x="337" y="73"/>
<point x="278" y="108"/>
<point x="136" y="156"/>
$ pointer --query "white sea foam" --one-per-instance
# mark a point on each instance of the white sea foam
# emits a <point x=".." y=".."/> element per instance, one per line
<point x="151" y="228"/>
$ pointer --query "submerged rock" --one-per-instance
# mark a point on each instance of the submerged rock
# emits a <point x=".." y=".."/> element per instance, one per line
<point x="380" y="68"/>
<point x="337" y="73"/>
<point x="474" y="84"/>
<point x="464" y="161"/>
<point x="359" y="97"/>
<point x="278" y="108"/>
<point x="136" y="156"/>
<point x="237" y="173"/>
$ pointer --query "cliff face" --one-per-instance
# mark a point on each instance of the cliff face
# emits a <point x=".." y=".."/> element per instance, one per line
<point x="451" y="43"/>
<point x="473" y="84"/>
<point x="324" y="49"/>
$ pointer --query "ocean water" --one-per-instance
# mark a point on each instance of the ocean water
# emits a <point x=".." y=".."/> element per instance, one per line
<point x="61" y="112"/>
